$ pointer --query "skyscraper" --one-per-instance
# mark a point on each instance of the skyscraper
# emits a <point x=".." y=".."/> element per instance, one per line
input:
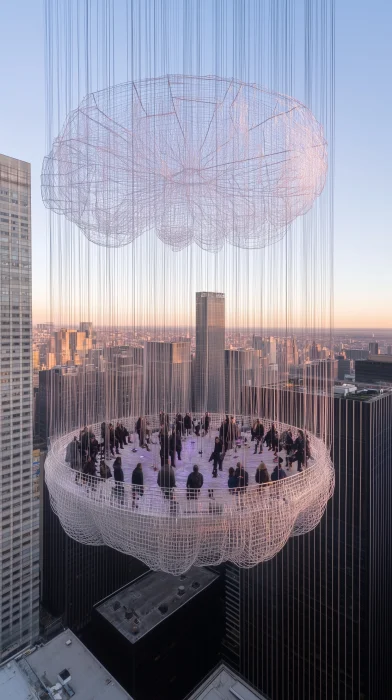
<point x="167" y="376"/>
<point x="209" y="388"/>
<point x="315" y="622"/>
<point x="373" y="349"/>
<point x="19" y="543"/>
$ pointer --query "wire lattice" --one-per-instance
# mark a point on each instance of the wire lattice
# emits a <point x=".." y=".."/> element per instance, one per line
<point x="196" y="159"/>
<point x="173" y="534"/>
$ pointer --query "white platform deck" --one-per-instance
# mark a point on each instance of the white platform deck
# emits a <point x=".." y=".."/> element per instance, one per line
<point x="190" y="455"/>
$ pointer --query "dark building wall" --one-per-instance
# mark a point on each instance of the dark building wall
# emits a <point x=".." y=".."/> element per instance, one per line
<point x="372" y="372"/>
<point x="74" y="576"/>
<point x="316" y="620"/>
<point x="173" y="657"/>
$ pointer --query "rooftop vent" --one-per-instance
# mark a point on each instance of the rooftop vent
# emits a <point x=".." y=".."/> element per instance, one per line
<point x="64" y="676"/>
<point x="181" y="590"/>
<point x="163" y="608"/>
<point x="195" y="584"/>
<point x="116" y="605"/>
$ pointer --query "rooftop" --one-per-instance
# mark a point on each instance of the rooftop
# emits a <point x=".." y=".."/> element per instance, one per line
<point x="152" y="598"/>
<point x="224" y="684"/>
<point x="61" y="669"/>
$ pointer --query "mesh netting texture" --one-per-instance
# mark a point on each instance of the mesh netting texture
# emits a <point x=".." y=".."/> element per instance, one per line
<point x="170" y="532"/>
<point x="195" y="159"/>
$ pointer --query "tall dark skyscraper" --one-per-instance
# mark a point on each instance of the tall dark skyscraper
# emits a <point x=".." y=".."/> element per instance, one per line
<point x="209" y="388"/>
<point x="19" y="504"/>
<point x="316" y="621"/>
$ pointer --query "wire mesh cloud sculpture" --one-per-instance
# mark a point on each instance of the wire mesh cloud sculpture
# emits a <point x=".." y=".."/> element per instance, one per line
<point x="196" y="159"/>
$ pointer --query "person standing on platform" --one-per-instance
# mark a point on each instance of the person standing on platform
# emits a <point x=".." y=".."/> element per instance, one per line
<point x="232" y="480"/>
<point x="178" y="445"/>
<point x="194" y="483"/>
<point x="188" y="424"/>
<point x="262" y="475"/>
<point x="242" y="476"/>
<point x="167" y="480"/>
<point x="164" y="451"/>
<point x="118" y="476"/>
<point x="278" y="473"/>
<point x="137" y="484"/>
<point x="216" y="457"/>
<point x="172" y="447"/>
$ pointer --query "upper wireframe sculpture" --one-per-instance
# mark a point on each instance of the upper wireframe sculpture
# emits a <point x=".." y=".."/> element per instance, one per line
<point x="200" y="159"/>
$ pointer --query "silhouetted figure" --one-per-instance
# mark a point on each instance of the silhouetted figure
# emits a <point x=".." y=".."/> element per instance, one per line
<point x="137" y="484"/>
<point x="94" y="447"/>
<point x="119" y="435"/>
<point x="278" y="473"/>
<point x="262" y="475"/>
<point x="188" y="424"/>
<point x="298" y="454"/>
<point x="194" y="483"/>
<point x="242" y="476"/>
<point x="206" y="422"/>
<point x="164" y="451"/>
<point x="167" y="480"/>
<point x="113" y="440"/>
<point x="104" y="470"/>
<point x="118" y="476"/>
<point x="179" y="424"/>
<point x="258" y="435"/>
<point x="172" y="447"/>
<point x="89" y="471"/>
<point x="72" y="455"/>
<point x="232" y="480"/>
<point x="216" y="457"/>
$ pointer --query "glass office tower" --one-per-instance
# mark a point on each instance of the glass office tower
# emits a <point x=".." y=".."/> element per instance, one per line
<point x="19" y="493"/>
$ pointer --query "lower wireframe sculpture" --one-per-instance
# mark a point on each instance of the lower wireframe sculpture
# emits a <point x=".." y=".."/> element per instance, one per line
<point x="172" y="529"/>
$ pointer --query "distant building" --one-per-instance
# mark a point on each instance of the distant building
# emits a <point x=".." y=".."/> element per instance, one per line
<point x="209" y="390"/>
<point x="344" y="367"/>
<point x="267" y="346"/>
<point x="19" y="544"/>
<point x="124" y="388"/>
<point x="167" y="377"/>
<point x="168" y="628"/>
<point x="61" y="669"/>
<point x="239" y="372"/>
<point x="356" y="354"/>
<point x="373" y="349"/>
<point x="378" y="368"/>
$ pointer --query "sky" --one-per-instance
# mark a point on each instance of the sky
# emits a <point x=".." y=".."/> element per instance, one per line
<point x="363" y="149"/>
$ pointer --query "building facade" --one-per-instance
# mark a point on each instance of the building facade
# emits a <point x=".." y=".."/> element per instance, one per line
<point x="316" y="621"/>
<point x="19" y="504"/>
<point x="167" y="377"/>
<point x="209" y="376"/>
<point x="375" y="370"/>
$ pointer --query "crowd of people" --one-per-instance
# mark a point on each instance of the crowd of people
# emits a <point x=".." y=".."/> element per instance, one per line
<point x="84" y="451"/>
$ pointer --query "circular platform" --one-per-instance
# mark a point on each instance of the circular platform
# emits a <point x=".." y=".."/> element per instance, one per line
<point x="173" y="534"/>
